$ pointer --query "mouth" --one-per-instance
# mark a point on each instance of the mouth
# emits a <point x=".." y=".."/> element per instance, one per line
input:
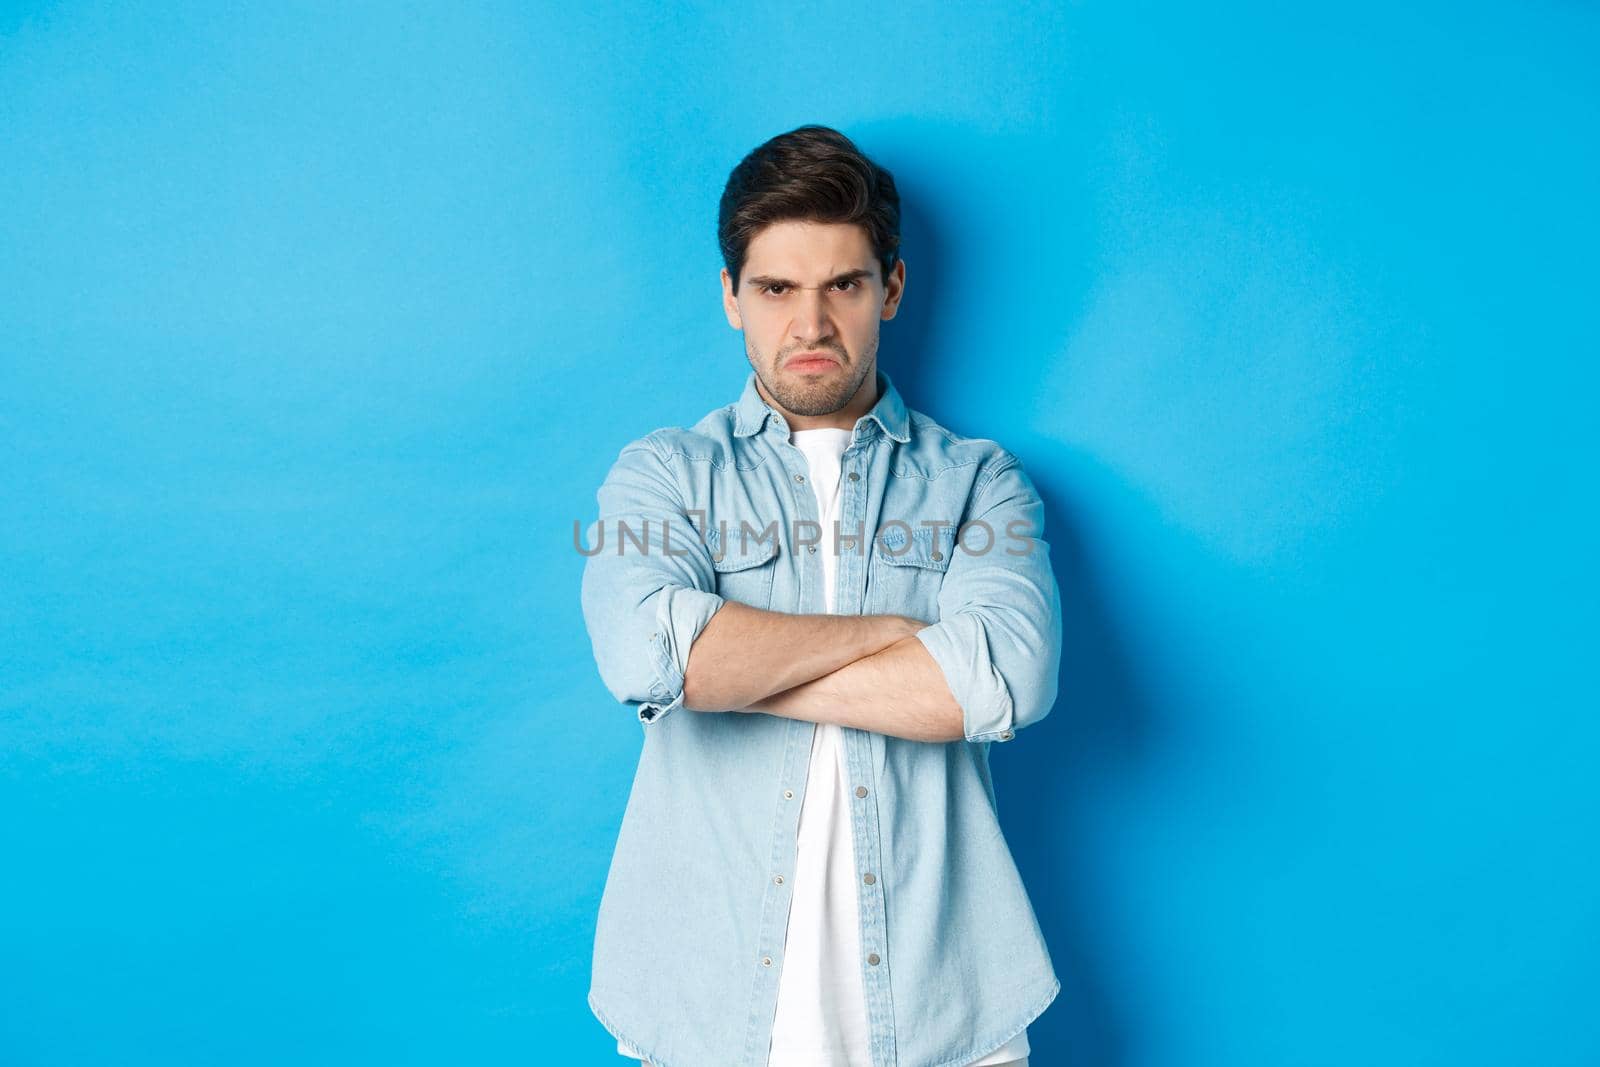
<point x="811" y="362"/>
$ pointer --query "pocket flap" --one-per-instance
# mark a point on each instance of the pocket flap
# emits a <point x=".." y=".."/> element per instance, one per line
<point x="923" y="550"/>
<point x="740" y="552"/>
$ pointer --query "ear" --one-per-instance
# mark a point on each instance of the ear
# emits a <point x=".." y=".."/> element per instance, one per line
<point x="894" y="287"/>
<point x="730" y="303"/>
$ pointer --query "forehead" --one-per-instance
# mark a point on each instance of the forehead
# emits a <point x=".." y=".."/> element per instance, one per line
<point x="797" y="248"/>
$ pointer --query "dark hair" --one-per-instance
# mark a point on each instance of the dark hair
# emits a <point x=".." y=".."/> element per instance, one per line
<point x="813" y="173"/>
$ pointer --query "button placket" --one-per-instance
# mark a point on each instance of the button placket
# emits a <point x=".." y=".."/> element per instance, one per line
<point x="868" y="842"/>
<point x="777" y="896"/>
<point x="806" y="508"/>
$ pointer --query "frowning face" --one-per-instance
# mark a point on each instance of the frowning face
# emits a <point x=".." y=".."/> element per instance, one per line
<point x="810" y="299"/>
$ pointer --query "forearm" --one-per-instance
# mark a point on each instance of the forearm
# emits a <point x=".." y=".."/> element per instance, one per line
<point x="745" y="654"/>
<point x="898" y="691"/>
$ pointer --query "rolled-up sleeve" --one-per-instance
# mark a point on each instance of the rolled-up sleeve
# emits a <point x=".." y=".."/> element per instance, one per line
<point x="998" y="638"/>
<point x="647" y="591"/>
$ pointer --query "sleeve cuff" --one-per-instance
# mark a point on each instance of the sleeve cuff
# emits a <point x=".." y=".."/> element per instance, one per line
<point x="680" y="616"/>
<point x="959" y="644"/>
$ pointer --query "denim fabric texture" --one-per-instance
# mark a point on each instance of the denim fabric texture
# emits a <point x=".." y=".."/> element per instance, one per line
<point x="691" y="927"/>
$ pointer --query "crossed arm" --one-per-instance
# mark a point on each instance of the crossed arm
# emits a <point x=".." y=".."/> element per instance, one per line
<point x="663" y="640"/>
<point x="865" y="671"/>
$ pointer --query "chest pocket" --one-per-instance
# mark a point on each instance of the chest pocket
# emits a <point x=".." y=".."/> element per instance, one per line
<point x="907" y="572"/>
<point x="744" y="567"/>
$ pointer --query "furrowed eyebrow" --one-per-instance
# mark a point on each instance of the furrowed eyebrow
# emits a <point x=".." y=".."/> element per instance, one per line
<point x="847" y="276"/>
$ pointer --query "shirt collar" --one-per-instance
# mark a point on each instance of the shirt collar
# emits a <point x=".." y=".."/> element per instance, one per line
<point x="751" y="411"/>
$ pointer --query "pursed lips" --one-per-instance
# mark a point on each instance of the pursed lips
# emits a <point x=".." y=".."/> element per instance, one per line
<point x="811" y="361"/>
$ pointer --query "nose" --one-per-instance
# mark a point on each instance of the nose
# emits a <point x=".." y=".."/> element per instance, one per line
<point x="811" y="317"/>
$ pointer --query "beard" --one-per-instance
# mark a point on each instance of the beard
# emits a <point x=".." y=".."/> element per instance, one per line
<point x="804" y="395"/>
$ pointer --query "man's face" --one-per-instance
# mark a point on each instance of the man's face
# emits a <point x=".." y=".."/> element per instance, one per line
<point x="812" y="288"/>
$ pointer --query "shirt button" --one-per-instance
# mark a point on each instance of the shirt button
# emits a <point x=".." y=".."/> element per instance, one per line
<point x="766" y="961"/>
<point x="812" y="549"/>
<point x="938" y="555"/>
<point x="854" y="477"/>
<point x="1006" y="735"/>
<point x="777" y="879"/>
<point x="799" y="477"/>
<point x="861" y="790"/>
<point x="788" y="794"/>
<point x="869" y="878"/>
<point x="872" y="958"/>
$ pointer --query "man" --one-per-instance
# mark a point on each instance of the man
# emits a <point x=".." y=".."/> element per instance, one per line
<point x="824" y="607"/>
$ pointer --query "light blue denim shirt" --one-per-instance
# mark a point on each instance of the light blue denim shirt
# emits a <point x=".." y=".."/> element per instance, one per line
<point x="690" y="933"/>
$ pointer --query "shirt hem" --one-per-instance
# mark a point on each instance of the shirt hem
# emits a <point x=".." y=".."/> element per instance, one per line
<point x="960" y="1060"/>
<point x="615" y="1031"/>
<point x="983" y="1050"/>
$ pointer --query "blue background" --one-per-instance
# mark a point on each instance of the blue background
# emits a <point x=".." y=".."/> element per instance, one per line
<point x="319" y="328"/>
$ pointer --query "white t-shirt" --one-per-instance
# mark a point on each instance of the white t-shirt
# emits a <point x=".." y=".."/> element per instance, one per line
<point x="821" y="1018"/>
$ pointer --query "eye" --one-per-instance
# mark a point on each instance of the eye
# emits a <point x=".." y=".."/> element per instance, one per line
<point x="854" y="283"/>
<point x="770" y="288"/>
